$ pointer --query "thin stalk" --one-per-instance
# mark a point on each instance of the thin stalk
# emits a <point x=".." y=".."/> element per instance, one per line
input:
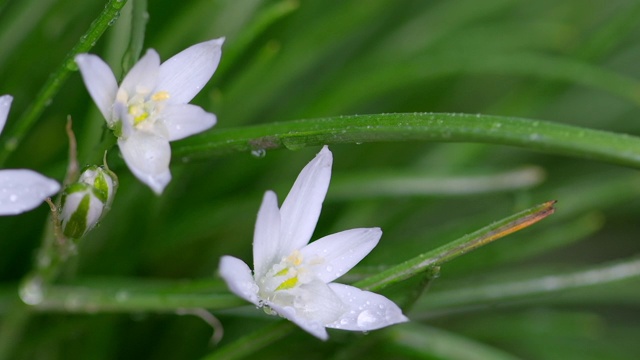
<point x="127" y="295"/>
<point x="549" y="137"/>
<point x="458" y="247"/>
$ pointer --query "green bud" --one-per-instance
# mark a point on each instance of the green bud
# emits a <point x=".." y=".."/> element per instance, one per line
<point x="85" y="202"/>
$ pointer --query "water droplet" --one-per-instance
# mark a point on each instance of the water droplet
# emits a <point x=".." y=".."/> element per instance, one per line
<point x="259" y="153"/>
<point x="31" y="292"/>
<point x="366" y="319"/>
<point x="329" y="268"/>
<point x="13" y="198"/>
<point x="71" y="65"/>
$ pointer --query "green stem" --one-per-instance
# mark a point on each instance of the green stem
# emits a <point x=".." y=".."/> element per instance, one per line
<point x="126" y="295"/>
<point x="29" y="118"/>
<point x="458" y="247"/>
<point x="537" y="135"/>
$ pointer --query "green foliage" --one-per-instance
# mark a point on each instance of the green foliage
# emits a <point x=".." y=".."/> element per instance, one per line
<point x="473" y="111"/>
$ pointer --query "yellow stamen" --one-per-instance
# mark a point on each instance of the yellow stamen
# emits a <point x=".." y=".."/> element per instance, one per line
<point x="282" y="272"/>
<point x="295" y="258"/>
<point x="140" y="118"/>
<point x="288" y="284"/>
<point x="160" y="96"/>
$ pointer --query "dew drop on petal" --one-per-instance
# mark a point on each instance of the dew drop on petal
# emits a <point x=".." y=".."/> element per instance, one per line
<point x="366" y="319"/>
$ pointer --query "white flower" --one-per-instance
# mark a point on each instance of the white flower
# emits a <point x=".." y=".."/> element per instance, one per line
<point x="150" y="108"/>
<point x="21" y="189"/>
<point x="294" y="278"/>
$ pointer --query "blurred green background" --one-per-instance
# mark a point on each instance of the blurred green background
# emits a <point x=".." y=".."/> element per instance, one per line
<point x="566" y="288"/>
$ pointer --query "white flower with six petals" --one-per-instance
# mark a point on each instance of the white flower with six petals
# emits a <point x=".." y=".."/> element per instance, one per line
<point x="21" y="189"/>
<point x="293" y="278"/>
<point x="150" y="107"/>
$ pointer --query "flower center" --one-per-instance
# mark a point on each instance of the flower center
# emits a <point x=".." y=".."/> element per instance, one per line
<point x="288" y="274"/>
<point x="142" y="108"/>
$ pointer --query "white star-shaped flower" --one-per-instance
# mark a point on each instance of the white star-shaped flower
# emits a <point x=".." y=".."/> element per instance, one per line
<point x="150" y="107"/>
<point x="293" y="278"/>
<point x="21" y="189"/>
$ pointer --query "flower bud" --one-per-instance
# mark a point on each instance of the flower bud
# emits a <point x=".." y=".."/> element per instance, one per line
<point x="85" y="202"/>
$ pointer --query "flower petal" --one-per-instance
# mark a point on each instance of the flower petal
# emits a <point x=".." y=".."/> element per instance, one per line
<point x="317" y="301"/>
<point x="185" y="120"/>
<point x="100" y="82"/>
<point x="367" y="310"/>
<point x="22" y="190"/>
<point x="143" y="76"/>
<point x="314" y="328"/>
<point x="266" y="235"/>
<point x="238" y="277"/>
<point x="5" y="105"/>
<point x="147" y="156"/>
<point x="340" y="252"/>
<point x="301" y="209"/>
<point x="186" y="73"/>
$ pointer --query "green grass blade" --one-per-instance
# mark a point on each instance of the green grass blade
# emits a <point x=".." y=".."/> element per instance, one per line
<point x="458" y="247"/>
<point x="537" y="135"/>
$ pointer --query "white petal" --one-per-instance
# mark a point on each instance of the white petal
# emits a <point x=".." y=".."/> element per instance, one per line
<point x="22" y="190"/>
<point x="238" y="277"/>
<point x="186" y="73"/>
<point x="314" y="328"/>
<point x="5" y="105"/>
<point x="100" y="82"/>
<point x="367" y="310"/>
<point x="185" y="120"/>
<point x="147" y="156"/>
<point x="266" y="235"/>
<point x="317" y="301"/>
<point x="340" y="252"/>
<point x="143" y="76"/>
<point x="301" y="209"/>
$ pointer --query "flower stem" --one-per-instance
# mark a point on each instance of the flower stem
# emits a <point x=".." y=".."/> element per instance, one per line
<point x="130" y="295"/>
<point x="46" y="94"/>
<point x="458" y="247"/>
<point x="536" y="135"/>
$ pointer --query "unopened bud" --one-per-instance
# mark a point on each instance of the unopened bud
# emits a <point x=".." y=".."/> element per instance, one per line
<point x="85" y="202"/>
